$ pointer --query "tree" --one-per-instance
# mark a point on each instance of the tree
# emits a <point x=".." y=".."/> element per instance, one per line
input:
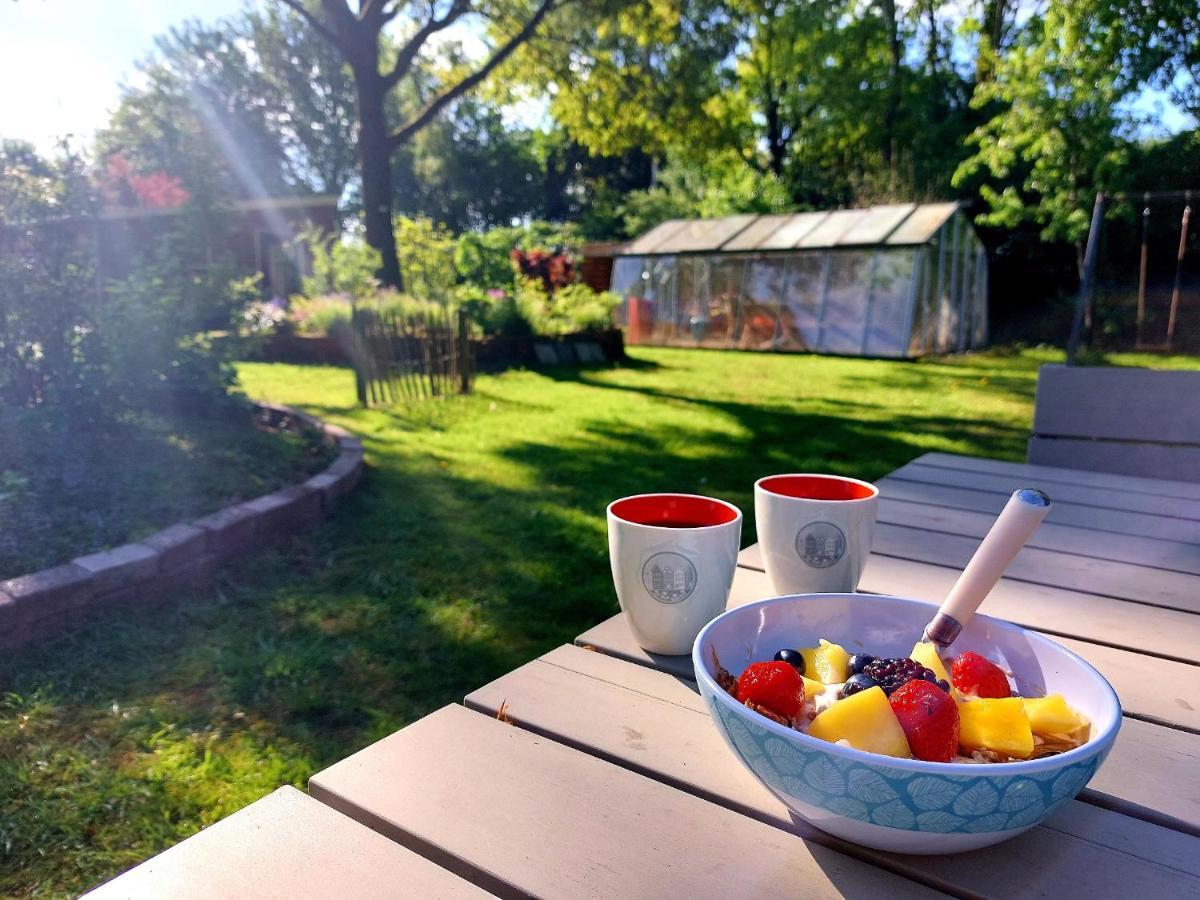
<point x="357" y="36"/>
<point x="1056" y="136"/>
<point x="249" y="106"/>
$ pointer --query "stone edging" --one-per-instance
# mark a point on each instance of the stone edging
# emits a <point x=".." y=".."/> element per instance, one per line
<point x="47" y="603"/>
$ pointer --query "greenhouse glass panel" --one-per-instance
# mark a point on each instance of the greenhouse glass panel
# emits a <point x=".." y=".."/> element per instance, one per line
<point x="724" y="301"/>
<point x="701" y="235"/>
<point x="887" y="308"/>
<point x="760" y="302"/>
<point x="799" y="317"/>
<point x="844" y="305"/>
<point x="754" y="234"/>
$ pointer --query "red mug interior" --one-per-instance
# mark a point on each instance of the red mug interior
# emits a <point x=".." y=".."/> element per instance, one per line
<point x="817" y="487"/>
<point x="674" y="511"/>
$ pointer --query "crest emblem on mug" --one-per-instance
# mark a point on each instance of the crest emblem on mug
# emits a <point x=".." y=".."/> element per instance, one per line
<point x="820" y="544"/>
<point x="669" y="577"/>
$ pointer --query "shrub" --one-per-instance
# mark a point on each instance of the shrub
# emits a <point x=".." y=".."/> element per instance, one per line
<point x="345" y="266"/>
<point x="425" y="251"/>
<point x="485" y="258"/>
<point x="575" y="307"/>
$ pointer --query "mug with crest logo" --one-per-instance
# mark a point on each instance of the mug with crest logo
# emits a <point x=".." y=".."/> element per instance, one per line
<point x="814" y="531"/>
<point x="673" y="557"/>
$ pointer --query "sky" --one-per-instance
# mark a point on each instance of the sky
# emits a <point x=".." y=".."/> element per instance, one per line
<point x="62" y="63"/>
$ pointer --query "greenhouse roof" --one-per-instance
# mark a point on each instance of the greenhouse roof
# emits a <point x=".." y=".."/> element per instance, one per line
<point x="903" y="224"/>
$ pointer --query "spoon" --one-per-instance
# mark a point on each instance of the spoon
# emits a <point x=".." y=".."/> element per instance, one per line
<point x="1021" y="515"/>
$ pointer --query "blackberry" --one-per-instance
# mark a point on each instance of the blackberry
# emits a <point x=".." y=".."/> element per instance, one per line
<point x="892" y="673"/>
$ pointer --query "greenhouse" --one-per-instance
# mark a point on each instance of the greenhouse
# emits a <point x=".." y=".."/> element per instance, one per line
<point x="899" y="281"/>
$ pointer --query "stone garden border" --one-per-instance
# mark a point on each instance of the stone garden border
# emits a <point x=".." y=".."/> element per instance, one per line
<point x="52" y="601"/>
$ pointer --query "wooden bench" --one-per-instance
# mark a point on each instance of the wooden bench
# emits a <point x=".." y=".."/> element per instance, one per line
<point x="1142" y="422"/>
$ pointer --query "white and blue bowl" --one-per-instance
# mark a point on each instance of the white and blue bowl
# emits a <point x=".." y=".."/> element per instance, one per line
<point x="903" y="805"/>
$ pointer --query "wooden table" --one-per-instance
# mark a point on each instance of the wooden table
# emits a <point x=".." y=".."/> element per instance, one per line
<point x="595" y="771"/>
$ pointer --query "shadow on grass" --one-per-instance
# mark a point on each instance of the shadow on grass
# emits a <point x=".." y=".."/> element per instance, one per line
<point x="426" y="584"/>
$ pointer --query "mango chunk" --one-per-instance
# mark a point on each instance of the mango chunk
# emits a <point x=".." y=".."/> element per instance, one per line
<point x="1051" y="715"/>
<point x="811" y="687"/>
<point x="999" y="725"/>
<point x="865" y="720"/>
<point x="926" y="654"/>
<point x="828" y="663"/>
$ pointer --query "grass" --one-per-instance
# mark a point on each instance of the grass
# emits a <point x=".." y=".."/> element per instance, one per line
<point x="69" y="486"/>
<point x="475" y="542"/>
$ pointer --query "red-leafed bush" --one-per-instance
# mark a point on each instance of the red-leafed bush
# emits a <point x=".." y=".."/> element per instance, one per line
<point x="122" y="186"/>
<point x="554" y="269"/>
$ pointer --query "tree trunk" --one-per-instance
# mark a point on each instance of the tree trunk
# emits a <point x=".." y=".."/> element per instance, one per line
<point x="375" y="158"/>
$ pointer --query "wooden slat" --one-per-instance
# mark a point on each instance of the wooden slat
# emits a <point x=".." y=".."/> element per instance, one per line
<point x="1118" y="403"/>
<point x="286" y="845"/>
<point x="1102" y="498"/>
<point x="656" y="724"/>
<point x="1109" y="545"/>
<point x="1124" y="581"/>
<point x="1158" y="690"/>
<point x="1112" y="456"/>
<point x="1055" y="611"/>
<point x="530" y="816"/>
<point x="1063" y="475"/>
<point x="1118" y="520"/>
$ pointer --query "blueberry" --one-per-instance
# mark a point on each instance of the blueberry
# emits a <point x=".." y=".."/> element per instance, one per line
<point x="857" y="683"/>
<point x="860" y="661"/>
<point x="928" y="675"/>
<point x="944" y="685"/>
<point x="794" y="657"/>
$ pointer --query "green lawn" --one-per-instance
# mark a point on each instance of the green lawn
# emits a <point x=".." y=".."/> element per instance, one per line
<point x="475" y="542"/>
<point x="70" y="485"/>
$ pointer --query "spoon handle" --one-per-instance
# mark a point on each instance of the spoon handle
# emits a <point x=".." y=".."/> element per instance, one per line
<point x="1021" y="515"/>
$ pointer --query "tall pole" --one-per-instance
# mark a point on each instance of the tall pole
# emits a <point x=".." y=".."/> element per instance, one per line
<point x="1087" y="277"/>
<point x="1141" y="298"/>
<point x="1183" y="235"/>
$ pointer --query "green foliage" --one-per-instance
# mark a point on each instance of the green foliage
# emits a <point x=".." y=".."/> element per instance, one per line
<point x="484" y="258"/>
<point x="570" y="309"/>
<point x="720" y="187"/>
<point x="346" y="266"/>
<point x="1054" y="141"/>
<point x="425" y="250"/>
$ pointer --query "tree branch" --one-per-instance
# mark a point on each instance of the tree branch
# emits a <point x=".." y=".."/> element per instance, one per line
<point x="427" y="112"/>
<point x="320" y="27"/>
<point x="408" y="53"/>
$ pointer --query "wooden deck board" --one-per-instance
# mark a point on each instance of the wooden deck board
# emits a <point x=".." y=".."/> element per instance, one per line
<point x="1067" y="476"/>
<point x="1077" y="495"/>
<point x="286" y="845"/>
<point x="529" y="815"/>
<point x="644" y="720"/>
<point x="1102" y="577"/>
<point x="1116" y="520"/>
<point x="1175" y="556"/>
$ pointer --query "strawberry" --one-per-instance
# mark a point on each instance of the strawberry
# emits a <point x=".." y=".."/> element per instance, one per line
<point x="775" y="685"/>
<point x="978" y="676"/>
<point x="929" y="718"/>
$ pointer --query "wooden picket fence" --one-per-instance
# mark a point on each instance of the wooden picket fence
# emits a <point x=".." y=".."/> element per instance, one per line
<point x="404" y="358"/>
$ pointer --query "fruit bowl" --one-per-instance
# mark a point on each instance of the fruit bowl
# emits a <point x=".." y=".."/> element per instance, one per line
<point x="903" y="805"/>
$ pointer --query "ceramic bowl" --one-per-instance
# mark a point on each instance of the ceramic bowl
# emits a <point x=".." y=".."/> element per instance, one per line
<point x="903" y="805"/>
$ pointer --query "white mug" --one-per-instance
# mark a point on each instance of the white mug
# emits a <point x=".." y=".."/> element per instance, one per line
<point x="814" y="531"/>
<point x="673" y="558"/>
